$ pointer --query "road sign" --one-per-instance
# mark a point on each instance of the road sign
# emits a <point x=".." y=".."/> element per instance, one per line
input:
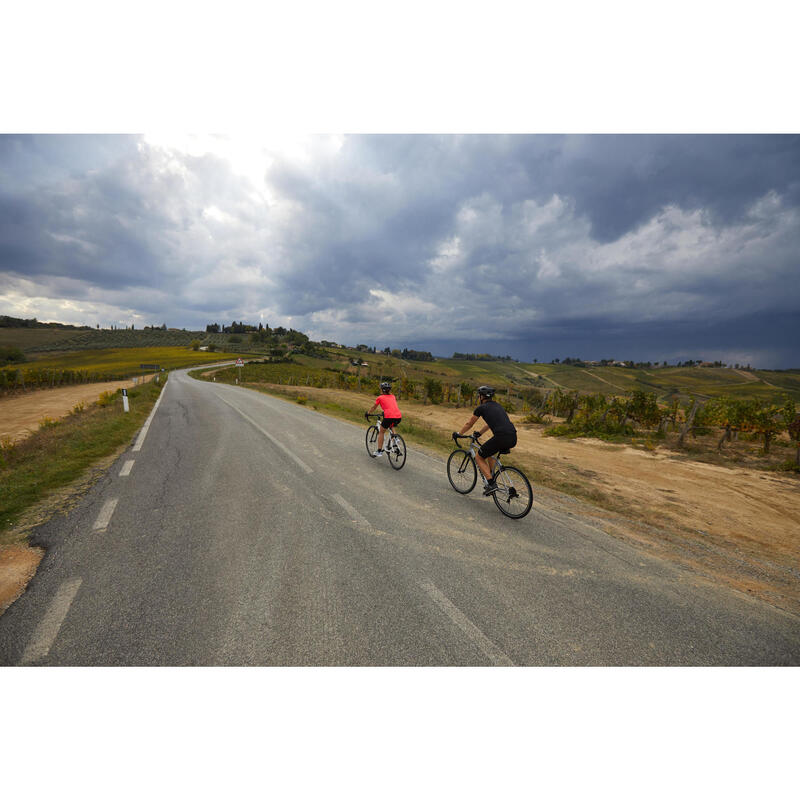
<point x="239" y="362"/>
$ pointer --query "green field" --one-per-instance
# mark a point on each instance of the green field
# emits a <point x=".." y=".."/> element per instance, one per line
<point x="516" y="380"/>
<point x="121" y="352"/>
<point x="37" y="343"/>
<point x="665" y="382"/>
<point x="28" y="339"/>
<point x="127" y="360"/>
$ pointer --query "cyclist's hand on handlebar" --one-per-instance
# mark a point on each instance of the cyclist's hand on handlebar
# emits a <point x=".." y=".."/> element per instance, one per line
<point x="455" y="437"/>
<point x="366" y="415"/>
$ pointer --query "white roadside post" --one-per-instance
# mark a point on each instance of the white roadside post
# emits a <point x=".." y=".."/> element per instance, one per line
<point x="240" y="364"/>
<point x="125" y="406"/>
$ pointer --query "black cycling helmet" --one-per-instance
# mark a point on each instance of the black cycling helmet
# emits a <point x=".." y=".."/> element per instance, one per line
<point x="386" y="386"/>
<point x="485" y="391"/>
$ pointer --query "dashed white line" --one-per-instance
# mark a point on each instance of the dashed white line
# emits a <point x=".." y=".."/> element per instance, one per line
<point x="360" y="521"/>
<point x="269" y="436"/>
<point x="48" y="628"/>
<point x="104" y="517"/>
<point x="126" y="468"/>
<point x="489" y="648"/>
<point x="146" y="427"/>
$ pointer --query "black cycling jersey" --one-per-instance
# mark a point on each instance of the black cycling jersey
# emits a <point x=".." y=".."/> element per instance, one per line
<point x="495" y="417"/>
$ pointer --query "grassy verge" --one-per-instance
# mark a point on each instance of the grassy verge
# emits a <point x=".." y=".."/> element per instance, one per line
<point x="60" y="451"/>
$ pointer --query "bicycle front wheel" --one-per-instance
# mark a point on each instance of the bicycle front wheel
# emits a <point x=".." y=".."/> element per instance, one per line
<point x="397" y="452"/>
<point x="372" y="440"/>
<point x="514" y="496"/>
<point x="461" y="471"/>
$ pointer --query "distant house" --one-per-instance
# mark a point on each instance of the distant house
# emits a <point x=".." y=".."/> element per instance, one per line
<point x="364" y="364"/>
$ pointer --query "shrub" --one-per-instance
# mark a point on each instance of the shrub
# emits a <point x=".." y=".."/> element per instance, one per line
<point x="787" y="466"/>
<point x="433" y="390"/>
<point x="302" y="400"/>
<point x="535" y="418"/>
<point x="11" y="355"/>
<point x="106" y="399"/>
<point x="643" y="408"/>
<point x="78" y="408"/>
<point x="7" y="448"/>
<point x="47" y="422"/>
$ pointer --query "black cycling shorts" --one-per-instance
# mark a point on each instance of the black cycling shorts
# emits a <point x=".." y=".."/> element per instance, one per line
<point x="499" y="443"/>
<point x="389" y="423"/>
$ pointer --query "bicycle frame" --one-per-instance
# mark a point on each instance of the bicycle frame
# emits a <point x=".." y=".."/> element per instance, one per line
<point x="389" y="431"/>
<point x="473" y="450"/>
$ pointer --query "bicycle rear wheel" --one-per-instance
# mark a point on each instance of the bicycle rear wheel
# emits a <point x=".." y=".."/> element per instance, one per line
<point x="461" y="471"/>
<point x="397" y="451"/>
<point x="514" y="495"/>
<point x="372" y="440"/>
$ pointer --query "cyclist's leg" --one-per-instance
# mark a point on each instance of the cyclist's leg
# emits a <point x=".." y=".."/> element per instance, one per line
<point x="389" y="427"/>
<point x="382" y="433"/>
<point x="484" y="455"/>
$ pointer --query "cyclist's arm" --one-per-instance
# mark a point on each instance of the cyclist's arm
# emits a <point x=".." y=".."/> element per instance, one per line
<point x="470" y="422"/>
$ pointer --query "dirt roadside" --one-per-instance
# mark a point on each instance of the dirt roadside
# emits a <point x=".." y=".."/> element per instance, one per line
<point x="20" y="414"/>
<point x="18" y="564"/>
<point x="734" y="525"/>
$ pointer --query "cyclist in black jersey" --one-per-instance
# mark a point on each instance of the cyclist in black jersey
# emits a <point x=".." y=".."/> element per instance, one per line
<point x="504" y="434"/>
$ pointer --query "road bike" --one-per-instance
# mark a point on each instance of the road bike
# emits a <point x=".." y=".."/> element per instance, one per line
<point x="513" y="497"/>
<point x="393" y="444"/>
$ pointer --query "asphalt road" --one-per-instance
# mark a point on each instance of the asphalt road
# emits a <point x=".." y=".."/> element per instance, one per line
<point x="249" y="530"/>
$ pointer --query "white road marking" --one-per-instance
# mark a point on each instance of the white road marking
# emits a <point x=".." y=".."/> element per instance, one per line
<point x="146" y="427"/>
<point x="490" y="650"/>
<point x="305" y="445"/>
<point x="104" y="517"/>
<point x="269" y="436"/>
<point x="360" y="521"/>
<point x="126" y="468"/>
<point x="48" y="628"/>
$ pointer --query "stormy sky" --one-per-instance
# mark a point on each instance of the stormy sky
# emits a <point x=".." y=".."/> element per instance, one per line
<point x="537" y="246"/>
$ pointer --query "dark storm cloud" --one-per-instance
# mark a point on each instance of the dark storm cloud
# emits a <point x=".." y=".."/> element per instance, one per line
<point x="616" y="182"/>
<point x="764" y="340"/>
<point x="392" y="239"/>
<point x="620" y="181"/>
